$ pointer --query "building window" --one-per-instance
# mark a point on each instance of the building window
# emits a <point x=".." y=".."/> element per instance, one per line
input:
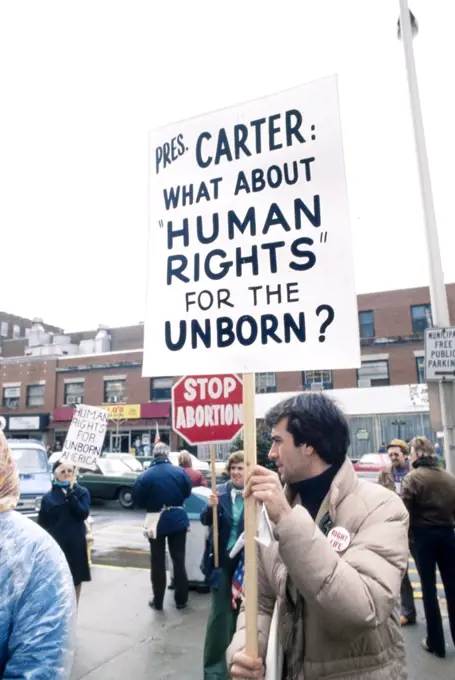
<point x="4" y="329"/>
<point x="35" y="396"/>
<point x="114" y="391"/>
<point x="373" y="374"/>
<point x="16" y="331"/>
<point x="11" y="397"/>
<point x="421" y="318"/>
<point x="74" y="393"/>
<point x="366" y="324"/>
<point x="420" y="363"/>
<point x="317" y="380"/>
<point x="265" y="382"/>
<point x="160" y="389"/>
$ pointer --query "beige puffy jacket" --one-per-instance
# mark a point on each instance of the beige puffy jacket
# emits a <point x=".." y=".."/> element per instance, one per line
<point x="345" y="623"/>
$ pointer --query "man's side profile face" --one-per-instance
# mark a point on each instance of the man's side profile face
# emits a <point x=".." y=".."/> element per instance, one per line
<point x="292" y="462"/>
<point x="396" y="456"/>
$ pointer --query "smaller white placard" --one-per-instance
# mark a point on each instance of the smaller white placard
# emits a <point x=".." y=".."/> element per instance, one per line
<point x="439" y="354"/>
<point x="85" y="437"/>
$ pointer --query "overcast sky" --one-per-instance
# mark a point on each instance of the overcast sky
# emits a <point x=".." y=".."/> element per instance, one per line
<point x="82" y="82"/>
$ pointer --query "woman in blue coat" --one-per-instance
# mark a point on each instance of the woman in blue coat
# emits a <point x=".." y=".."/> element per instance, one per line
<point x="64" y="510"/>
<point x="223" y="614"/>
<point x="37" y="603"/>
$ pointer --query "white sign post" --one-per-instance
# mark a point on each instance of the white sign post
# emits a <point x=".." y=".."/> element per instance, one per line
<point x="439" y="354"/>
<point x="250" y="259"/>
<point x="85" y="438"/>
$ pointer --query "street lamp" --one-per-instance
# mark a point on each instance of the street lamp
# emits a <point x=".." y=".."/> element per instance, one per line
<point x="407" y="29"/>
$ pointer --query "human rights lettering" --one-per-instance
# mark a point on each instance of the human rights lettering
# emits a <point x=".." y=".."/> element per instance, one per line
<point x="250" y="243"/>
<point x="192" y="242"/>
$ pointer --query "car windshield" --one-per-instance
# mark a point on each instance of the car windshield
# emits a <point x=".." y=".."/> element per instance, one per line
<point x="113" y="466"/>
<point x="372" y="458"/>
<point x="30" y="460"/>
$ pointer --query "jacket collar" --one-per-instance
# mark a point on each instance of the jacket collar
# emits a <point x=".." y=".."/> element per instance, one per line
<point x="426" y="462"/>
<point x="344" y="483"/>
<point x="160" y="461"/>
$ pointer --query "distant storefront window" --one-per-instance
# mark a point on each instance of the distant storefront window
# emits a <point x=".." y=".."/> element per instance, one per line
<point x="373" y="374"/>
<point x="421" y="318"/>
<point x="35" y="395"/>
<point x="4" y="329"/>
<point x="366" y="324"/>
<point x="74" y="393"/>
<point x="11" y="396"/>
<point x="317" y="380"/>
<point x="114" y="391"/>
<point x="265" y="383"/>
<point x="420" y="362"/>
<point x="160" y="389"/>
<point x="16" y="331"/>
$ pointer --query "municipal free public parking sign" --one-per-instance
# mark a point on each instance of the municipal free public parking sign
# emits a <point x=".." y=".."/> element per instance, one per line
<point x="439" y="354"/>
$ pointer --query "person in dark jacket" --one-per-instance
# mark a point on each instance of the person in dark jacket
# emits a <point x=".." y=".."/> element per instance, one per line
<point x="196" y="476"/>
<point x="63" y="512"/>
<point x="223" y="617"/>
<point x="392" y="478"/>
<point x="162" y="490"/>
<point x="429" y="495"/>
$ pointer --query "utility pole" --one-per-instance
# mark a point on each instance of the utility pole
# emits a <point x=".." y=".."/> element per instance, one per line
<point x="438" y="295"/>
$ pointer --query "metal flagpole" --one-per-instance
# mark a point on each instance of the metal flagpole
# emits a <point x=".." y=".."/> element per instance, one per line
<point x="438" y="294"/>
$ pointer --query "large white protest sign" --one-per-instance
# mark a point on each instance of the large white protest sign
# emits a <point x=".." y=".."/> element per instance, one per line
<point x="250" y="256"/>
<point x="85" y="438"/>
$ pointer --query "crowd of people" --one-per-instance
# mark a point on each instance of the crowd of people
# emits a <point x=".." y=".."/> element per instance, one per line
<point x="330" y="581"/>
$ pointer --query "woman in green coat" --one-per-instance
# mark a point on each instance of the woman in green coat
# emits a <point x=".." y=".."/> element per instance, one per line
<point x="223" y="611"/>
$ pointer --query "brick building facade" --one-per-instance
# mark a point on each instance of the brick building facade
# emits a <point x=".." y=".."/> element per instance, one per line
<point x="45" y="373"/>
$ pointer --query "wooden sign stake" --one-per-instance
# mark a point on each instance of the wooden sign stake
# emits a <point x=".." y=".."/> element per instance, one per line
<point x="251" y="588"/>
<point x="214" y="509"/>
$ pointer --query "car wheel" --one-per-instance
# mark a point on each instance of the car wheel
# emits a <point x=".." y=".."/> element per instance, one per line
<point x="125" y="498"/>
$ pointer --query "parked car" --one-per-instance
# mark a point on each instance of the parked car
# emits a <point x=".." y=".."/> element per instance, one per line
<point x="370" y="465"/>
<point x="130" y="461"/>
<point x="112" y="480"/>
<point x="34" y="474"/>
<point x="201" y="465"/>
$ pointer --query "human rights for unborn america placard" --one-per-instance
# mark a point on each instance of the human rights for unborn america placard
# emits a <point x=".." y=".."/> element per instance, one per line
<point x="250" y="254"/>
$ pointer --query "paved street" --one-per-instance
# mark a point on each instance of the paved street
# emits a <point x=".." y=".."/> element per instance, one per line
<point x="120" y="636"/>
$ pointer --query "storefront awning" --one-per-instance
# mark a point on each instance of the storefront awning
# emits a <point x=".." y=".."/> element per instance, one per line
<point x="153" y="411"/>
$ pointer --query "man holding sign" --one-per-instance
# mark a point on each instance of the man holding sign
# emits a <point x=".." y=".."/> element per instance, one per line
<point x="334" y="566"/>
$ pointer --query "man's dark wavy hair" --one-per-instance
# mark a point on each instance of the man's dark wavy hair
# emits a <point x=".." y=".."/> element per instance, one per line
<point x="314" y="419"/>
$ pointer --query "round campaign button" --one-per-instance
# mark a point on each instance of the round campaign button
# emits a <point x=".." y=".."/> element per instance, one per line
<point x="339" y="538"/>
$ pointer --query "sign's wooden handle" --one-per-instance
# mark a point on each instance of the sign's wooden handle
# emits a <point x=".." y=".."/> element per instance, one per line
<point x="251" y="586"/>
<point x="214" y="509"/>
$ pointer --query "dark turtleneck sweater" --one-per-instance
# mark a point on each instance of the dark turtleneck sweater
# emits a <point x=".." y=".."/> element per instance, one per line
<point x="313" y="491"/>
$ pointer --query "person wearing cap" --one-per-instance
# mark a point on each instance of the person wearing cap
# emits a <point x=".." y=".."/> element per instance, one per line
<point x="429" y="494"/>
<point x="392" y="478"/>
<point x="162" y="490"/>
<point x="37" y="601"/>
<point x="329" y="576"/>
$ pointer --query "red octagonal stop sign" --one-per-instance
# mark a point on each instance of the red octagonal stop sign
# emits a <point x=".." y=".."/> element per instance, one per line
<point x="207" y="408"/>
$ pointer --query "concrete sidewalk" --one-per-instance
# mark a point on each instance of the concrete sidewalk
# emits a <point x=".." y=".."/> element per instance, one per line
<point x="119" y="636"/>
